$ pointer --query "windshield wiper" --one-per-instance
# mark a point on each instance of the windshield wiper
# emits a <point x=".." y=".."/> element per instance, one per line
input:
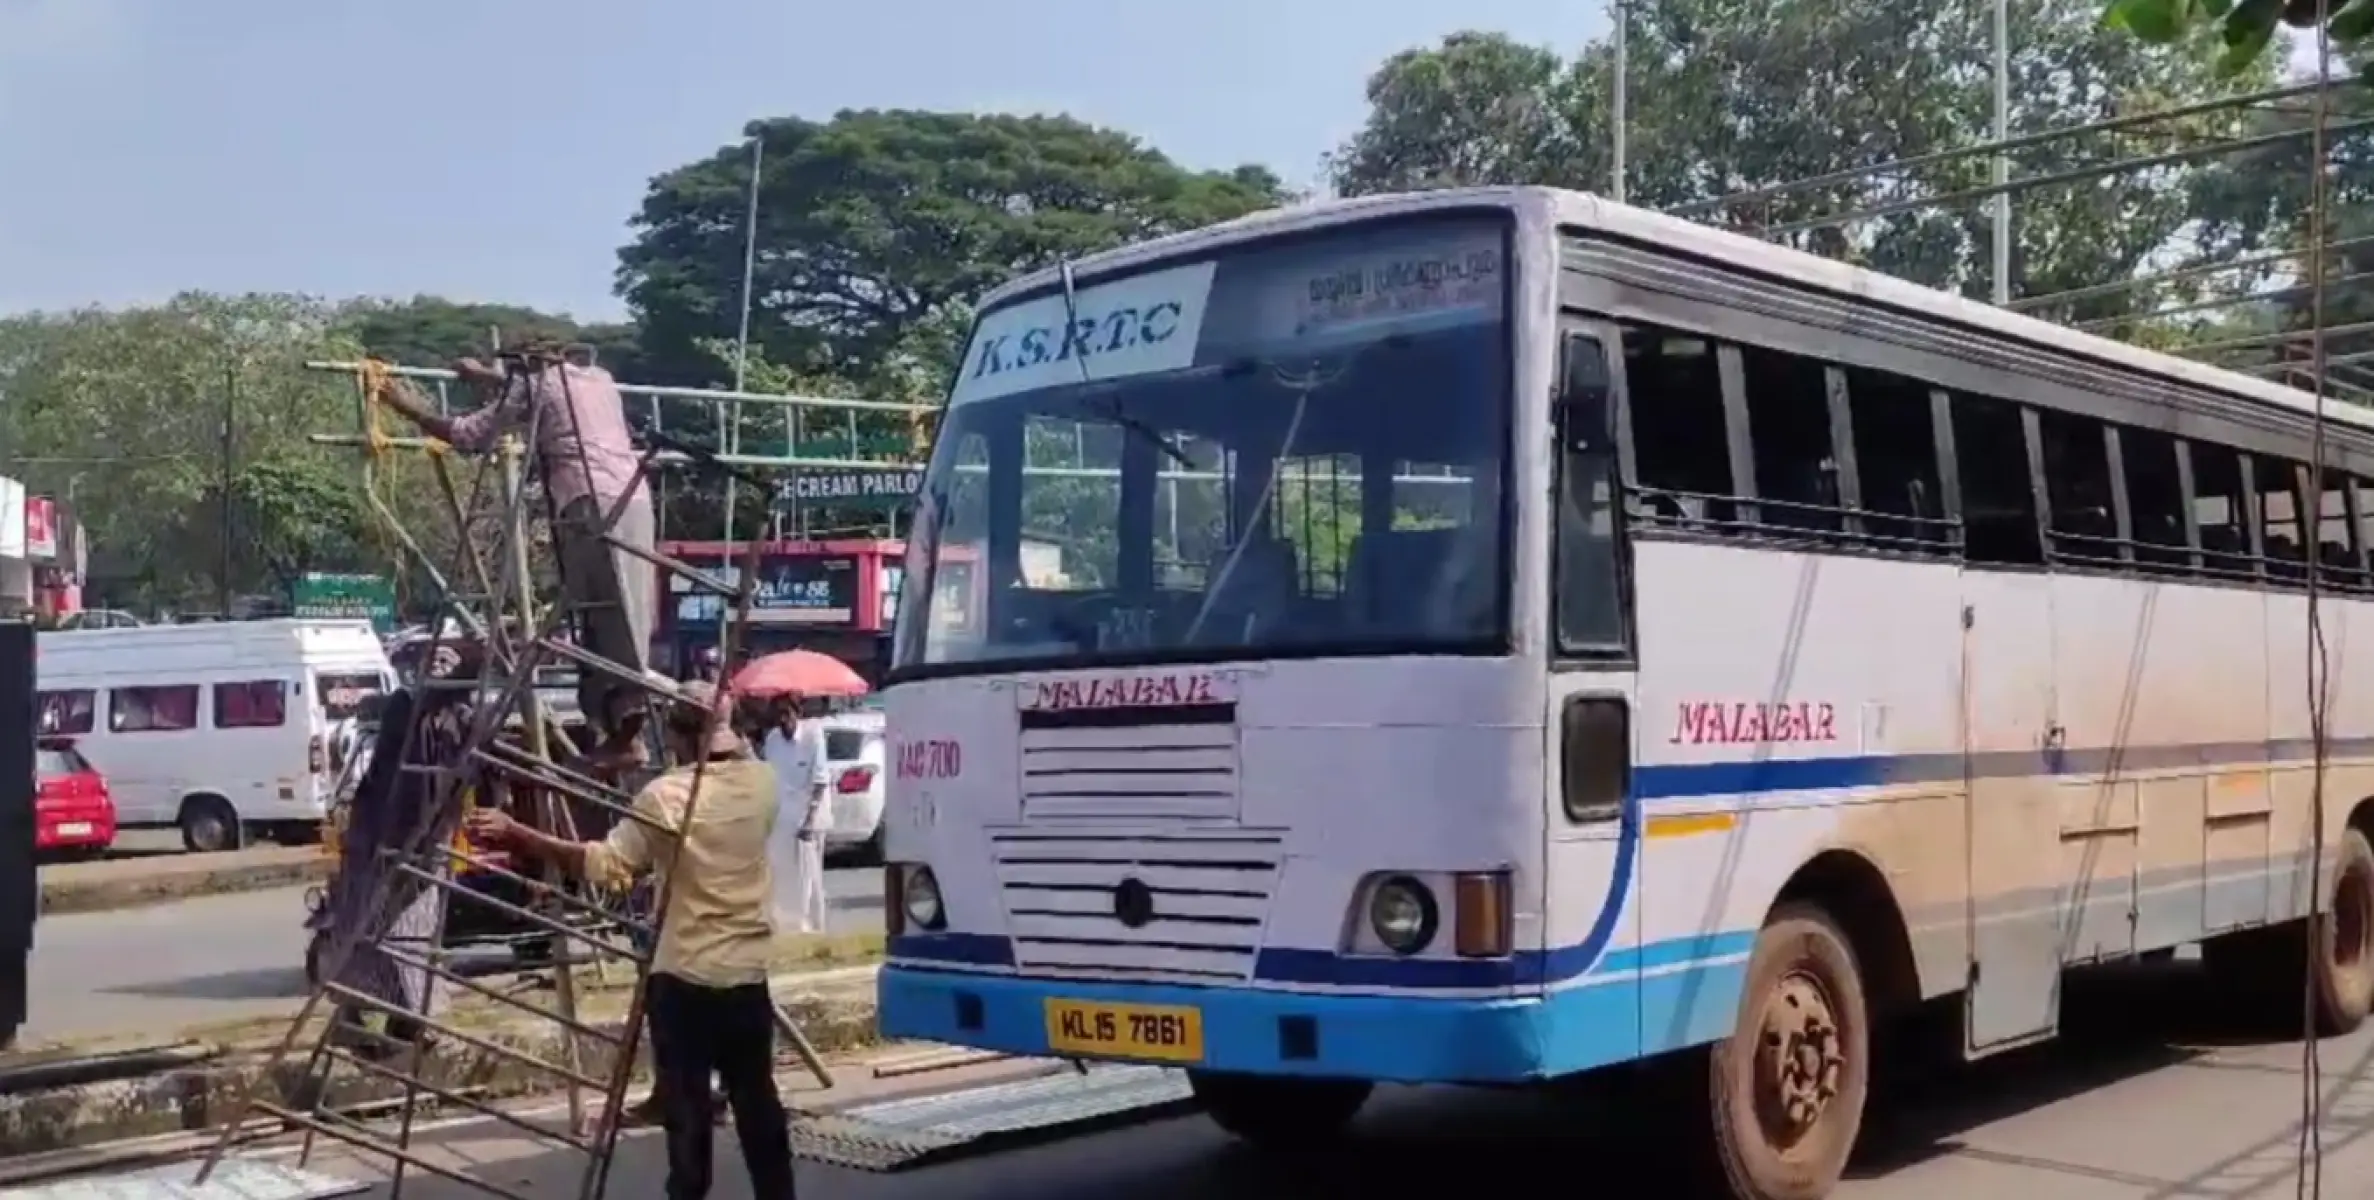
<point x="1111" y="409"/>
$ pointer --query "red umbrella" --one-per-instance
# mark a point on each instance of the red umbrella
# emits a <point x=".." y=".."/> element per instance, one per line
<point x="802" y="671"/>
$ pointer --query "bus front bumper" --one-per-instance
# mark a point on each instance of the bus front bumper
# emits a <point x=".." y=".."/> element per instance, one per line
<point x="1413" y="1039"/>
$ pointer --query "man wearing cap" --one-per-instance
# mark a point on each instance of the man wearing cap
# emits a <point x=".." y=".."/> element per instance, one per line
<point x="709" y="1008"/>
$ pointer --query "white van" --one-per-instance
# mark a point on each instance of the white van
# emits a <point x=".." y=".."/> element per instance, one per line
<point x="224" y="730"/>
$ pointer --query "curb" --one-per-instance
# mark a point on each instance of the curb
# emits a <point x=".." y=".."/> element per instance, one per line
<point x="835" y="1010"/>
<point x="104" y="887"/>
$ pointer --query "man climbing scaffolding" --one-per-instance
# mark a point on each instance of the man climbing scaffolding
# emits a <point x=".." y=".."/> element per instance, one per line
<point x="588" y="462"/>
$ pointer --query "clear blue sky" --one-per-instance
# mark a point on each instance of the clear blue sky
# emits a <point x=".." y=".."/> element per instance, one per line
<point x="493" y="149"/>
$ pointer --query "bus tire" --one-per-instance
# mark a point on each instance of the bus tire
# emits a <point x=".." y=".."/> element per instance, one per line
<point x="2259" y="971"/>
<point x="209" y="825"/>
<point x="1279" y="1112"/>
<point x="1786" y="1089"/>
<point x="2344" y="975"/>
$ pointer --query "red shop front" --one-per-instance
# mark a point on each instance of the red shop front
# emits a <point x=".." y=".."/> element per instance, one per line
<point x="835" y="598"/>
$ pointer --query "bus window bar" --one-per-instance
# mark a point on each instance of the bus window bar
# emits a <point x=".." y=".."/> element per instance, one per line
<point x="1930" y="534"/>
<point x="2113" y="553"/>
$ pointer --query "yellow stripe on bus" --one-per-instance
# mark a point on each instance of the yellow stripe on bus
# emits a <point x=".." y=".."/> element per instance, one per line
<point x="1690" y="824"/>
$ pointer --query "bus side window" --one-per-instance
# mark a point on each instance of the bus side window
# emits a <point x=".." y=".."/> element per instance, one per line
<point x="2361" y="495"/>
<point x="2077" y="489"/>
<point x="1896" y="459"/>
<point x="1674" y="400"/>
<point x="1998" y="492"/>
<point x="2339" y="557"/>
<point x="2222" y="511"/>
<point x="2155" y="498"/>
<point x="1588" y="587"/>
<point x="2285" y="545"/>
<point x="1788" y="406"/>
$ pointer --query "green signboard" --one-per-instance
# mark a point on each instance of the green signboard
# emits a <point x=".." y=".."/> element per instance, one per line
<point x="321" y="595"/>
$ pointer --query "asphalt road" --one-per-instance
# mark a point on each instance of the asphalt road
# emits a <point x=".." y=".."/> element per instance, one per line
<point x="218" y="958"/>
<point x="2154" y="1094"/>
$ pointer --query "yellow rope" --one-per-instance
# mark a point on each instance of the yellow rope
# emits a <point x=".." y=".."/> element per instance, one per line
<point x="376" y="377"/>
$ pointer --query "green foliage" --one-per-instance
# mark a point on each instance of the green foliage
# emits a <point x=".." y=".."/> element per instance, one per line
<point x="1719" y="105"/>
<point x="430" y="331"/>
<point x="874" y="225"/>
<point x="294" y="513"/>
<point x="124" y="413"/>
<point x="2246" y="28"/>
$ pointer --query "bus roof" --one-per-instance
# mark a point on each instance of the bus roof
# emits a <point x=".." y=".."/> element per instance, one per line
<point x="1580" y="210"/>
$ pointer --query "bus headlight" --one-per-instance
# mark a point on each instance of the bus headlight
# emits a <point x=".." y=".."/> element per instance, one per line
<point x="919" y="897"/>
<point x="1403" y="914"/>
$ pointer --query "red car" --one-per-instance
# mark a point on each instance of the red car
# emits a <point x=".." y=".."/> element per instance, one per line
<point x="72" y="812"/>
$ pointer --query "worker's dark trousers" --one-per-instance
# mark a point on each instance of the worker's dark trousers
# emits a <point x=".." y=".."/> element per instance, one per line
<point x="698" y="1031"/>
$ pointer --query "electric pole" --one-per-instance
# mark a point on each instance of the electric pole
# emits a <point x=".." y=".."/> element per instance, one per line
<point x="222" y="590"/>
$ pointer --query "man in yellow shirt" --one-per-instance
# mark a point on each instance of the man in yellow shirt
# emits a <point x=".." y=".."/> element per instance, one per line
<point x="710" y="1012"/>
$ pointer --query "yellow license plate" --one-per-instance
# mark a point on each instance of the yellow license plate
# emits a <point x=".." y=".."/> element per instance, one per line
<point x="1164" y="1033"/>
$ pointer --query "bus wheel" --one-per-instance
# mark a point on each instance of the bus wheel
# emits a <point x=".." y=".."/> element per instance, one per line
<point x="2345" y="941"/>
<point x="1788" y="1085"/>
<point x="1279" y="1112"/>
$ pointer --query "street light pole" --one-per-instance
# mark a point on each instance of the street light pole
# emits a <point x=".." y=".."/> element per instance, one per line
<point x="2002" y="172"/>
<point x="729" y="439"/>
<point x="1618" y="186"/>
<point x="222" y="589"/>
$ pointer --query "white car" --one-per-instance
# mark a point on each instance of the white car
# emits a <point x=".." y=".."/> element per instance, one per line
<point x="855" y="759"/>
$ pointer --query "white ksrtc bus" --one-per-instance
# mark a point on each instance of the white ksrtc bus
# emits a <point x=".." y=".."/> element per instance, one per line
<point x="1491" y="635"/>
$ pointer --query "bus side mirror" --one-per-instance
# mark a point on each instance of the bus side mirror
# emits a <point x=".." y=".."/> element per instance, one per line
<point x="1585" y="406"/>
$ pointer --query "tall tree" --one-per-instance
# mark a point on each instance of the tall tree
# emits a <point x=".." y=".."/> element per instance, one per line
<point x="144" y="417"/>
<point x="2251" y="31"/>
<point x="1728" y="98"/>
<point x="430" y="331"/>
<point x="874" y="223"/>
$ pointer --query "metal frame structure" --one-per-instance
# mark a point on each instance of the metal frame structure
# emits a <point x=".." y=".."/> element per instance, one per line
<point x="516" y="634"/>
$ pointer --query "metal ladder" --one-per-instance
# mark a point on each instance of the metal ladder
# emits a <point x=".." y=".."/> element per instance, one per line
<point x="469" y="721"/>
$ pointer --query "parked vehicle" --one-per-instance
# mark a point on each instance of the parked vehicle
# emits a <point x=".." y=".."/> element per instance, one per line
<point x="854" y="757"/>
<point x="72" y="813"/>
<point x="223" y="730"/>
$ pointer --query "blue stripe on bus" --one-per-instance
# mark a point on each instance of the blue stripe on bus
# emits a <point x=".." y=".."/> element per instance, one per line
<point x="1671" y="781"/>
<point x="1526" y="969"/>
<point x="1408" y="1039"/>
<point x="1676" y="781"/>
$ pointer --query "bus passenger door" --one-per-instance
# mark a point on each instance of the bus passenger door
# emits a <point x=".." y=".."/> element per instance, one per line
<point x="2011" y="740"/>
<point x="1591" y="879"/>
<point x="2014" y="811"/>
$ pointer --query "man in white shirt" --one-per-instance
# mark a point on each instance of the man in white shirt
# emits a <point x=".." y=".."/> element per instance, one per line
<point x="795" y="749"/>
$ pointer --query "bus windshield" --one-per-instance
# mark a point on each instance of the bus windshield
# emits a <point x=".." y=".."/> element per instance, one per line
<point x="1292" y="448"/>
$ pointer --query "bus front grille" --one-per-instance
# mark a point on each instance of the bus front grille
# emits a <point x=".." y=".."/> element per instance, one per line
<point x="1175" y="763"/>
<point x="1186" y="906"/>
